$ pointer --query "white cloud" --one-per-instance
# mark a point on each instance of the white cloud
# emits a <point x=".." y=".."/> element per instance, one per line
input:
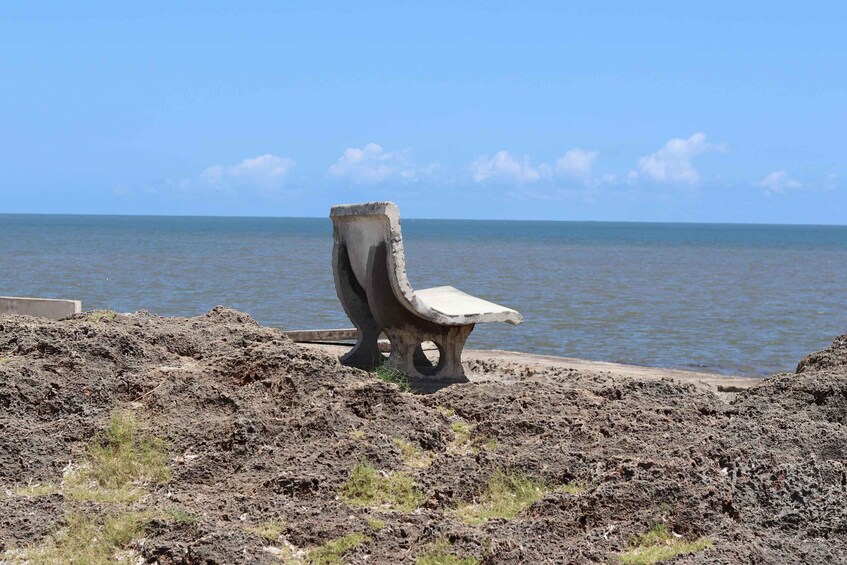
<point x="264" y="174"/>
<point x="577" y="163"/>
<point x="372" y="164"/>
<point x="674" y="161"/>
<point x="778" y="182"/>
<point x="505" y="167"/>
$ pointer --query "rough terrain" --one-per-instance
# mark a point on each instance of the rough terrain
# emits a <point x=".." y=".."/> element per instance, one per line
<point x="259" y="431"/>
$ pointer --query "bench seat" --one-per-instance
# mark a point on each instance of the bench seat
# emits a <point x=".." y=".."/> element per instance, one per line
<point x="463" y="308"/>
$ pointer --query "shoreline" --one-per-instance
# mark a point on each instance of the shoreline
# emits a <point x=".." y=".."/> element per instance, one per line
<point x="508" y="364"/>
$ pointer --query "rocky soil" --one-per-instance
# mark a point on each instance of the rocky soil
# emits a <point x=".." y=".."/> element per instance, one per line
<point x="259" y="431"/>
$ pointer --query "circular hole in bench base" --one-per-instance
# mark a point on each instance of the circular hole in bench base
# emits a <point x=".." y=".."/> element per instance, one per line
<point x="428" y="357"/>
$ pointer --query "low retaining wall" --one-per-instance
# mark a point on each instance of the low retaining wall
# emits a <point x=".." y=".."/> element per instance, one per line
<point x="39" y="307"/>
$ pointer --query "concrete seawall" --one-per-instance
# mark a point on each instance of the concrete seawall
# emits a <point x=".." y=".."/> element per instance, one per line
<point x="39" y="307"/>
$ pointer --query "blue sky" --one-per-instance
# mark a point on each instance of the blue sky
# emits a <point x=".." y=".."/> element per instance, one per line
<point x="641" y="111"/>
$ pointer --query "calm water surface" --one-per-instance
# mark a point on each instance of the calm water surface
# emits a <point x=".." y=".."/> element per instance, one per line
<point x="735" y="299"/>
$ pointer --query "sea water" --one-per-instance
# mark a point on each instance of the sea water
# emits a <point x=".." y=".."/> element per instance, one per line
<point x="733" y="299"/>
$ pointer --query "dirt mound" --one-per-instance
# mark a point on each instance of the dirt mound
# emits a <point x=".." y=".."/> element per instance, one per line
<point x="271" y="449"/>
<point x="833" y="358"/>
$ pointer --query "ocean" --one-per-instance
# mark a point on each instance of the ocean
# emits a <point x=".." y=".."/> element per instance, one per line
<point x="733" y="299"/>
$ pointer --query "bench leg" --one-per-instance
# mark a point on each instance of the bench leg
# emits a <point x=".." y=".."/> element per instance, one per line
<point x="404" y="346"/>
<point x="407" y="356"/>
<point x="451" y="344"/>
<point x="365" y="354"/>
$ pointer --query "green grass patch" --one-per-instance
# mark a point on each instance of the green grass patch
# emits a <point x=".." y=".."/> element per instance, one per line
<point x="84" y="491"/>
<point x="89" y="539"/>
<point x="570" y="488"/>
<point x="461" y="433"/>
<point x="120" y="461"/>
<point x="367" y="487"/>
<point x="180" y="516"/>
<point x="335" y="551"/>
<point x="4" y="360"/>
<point x="100" y="315"/>
<point x="271" y="530"/>
<point x="389" y="374"/>
<point x="464" y="441"/>
<point x="660" y="545"/>
<point x="93" y="537"/>
<point x="445" y="411"/>
<point x="45" y="489"/>
<point x="439" y="554"/>
<point x="124" y="455"/>
<point x="412" y="455"/>
<point x="507" y="494"/>
<point x="375" y="523"/>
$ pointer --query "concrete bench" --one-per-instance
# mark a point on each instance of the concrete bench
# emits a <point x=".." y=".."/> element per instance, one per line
<point x="369" y="266"/>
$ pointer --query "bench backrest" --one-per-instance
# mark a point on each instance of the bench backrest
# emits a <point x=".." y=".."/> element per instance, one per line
<point x="360" y="227"/>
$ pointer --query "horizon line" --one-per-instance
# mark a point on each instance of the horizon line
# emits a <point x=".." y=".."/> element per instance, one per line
<point x="671" y="222"/>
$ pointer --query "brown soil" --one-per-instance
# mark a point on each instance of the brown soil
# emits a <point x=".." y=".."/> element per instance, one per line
<point x="259" y="429"/>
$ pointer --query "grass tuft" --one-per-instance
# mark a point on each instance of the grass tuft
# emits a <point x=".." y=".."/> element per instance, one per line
<point x="367" y="487"/>
<point x="439" y="554"/>
<point x="375" y="523"/>
<point x="389" y="374"/>
<point x="84" y="491"/>
<point x="412" y="455"/>
<point x="123" y="454"/>
<point x="100" y="315"/>
<point x="462" y="433"/>
<point x="507" y="494"/>
<point x="89" y="539"/>
<point x="120" y="461"/>
<point x="271" y="530"/>
<point x="180" y="516"/>
<point x="335" y="551"/>
<point x="45" y="489"/>
<point x="658" y="545"/>
<point x="445" y="411"/>
<point x="571" y="488"/>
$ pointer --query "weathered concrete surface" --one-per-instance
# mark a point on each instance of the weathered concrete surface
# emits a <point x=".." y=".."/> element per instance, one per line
<point x="455" y="303"/>
<point x="342" y="334"/>
<point x="52" y="309"/>
<point x="369" y="268"/>
<point x="361" y="227"/>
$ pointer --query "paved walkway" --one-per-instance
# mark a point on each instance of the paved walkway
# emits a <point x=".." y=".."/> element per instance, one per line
<point x="515" y="361"/>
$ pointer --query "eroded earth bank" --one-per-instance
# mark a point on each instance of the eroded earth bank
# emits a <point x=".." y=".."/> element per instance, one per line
<point x="215" y="440"/>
